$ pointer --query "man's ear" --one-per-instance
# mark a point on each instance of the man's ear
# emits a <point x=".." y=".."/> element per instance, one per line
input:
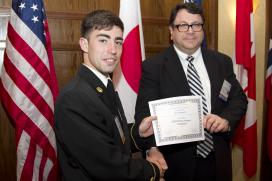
<point x="171" y="32"/>
<point x="83" y="43"/>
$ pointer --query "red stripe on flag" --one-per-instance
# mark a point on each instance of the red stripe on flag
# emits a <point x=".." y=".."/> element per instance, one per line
<point x="29" y="163"/>
<point x="131" y="67"/>
<point x="53" y="175"/>
<point x="42" y="165"/>
<point x="29" y="55"/>
<point x="22" y="121"/>
<point x="27" y="88"/>
<point x="54" y="83"/>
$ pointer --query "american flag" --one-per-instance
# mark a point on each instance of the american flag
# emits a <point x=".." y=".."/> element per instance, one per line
<point x="28" y="88"/>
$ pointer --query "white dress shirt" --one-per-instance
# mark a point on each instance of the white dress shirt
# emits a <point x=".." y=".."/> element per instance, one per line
<point x="102" y="77"/>
<point x="201" y="70"/>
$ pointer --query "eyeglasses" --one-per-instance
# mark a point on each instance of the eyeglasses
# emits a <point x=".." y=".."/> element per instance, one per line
<point x="185" y="27"/>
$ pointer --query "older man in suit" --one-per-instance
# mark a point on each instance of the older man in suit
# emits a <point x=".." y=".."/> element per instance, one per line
<point x="187" y="69"/>
<point x="93" y="139"/>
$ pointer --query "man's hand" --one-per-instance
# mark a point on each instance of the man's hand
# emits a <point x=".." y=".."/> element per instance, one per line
<point x="155" y="156"/>
<point x="145" y="128"/>
<point x="215" y="124"/>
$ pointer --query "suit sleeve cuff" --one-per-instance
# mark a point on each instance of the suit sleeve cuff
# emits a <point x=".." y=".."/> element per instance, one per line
<point x="141" y="144"/>
<point x="156" y="172"/>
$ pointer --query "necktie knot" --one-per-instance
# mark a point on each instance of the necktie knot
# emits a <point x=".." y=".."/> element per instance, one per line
<point x="190" y="59"/>
<point x="111" y="94"/>
<point x="110" y="86"/>
<point x="110" y="90"/>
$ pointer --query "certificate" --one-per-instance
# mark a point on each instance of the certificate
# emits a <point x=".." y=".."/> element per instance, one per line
<point x="179" y="120"/>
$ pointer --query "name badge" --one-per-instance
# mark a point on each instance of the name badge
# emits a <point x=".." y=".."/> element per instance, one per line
<point x="224" y="92"/>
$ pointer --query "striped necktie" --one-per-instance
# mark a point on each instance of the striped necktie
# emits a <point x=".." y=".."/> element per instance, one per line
<point x="206" y="146"/>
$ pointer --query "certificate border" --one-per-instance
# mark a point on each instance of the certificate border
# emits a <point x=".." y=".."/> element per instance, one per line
<point x="178" y="139"/>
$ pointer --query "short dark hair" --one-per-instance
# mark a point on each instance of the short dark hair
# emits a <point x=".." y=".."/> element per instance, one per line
<point x="190" y="7"/>
<point x="100" y="19"/>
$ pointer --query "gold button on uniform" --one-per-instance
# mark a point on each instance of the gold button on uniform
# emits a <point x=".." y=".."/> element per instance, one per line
<point x="99" y="89"/>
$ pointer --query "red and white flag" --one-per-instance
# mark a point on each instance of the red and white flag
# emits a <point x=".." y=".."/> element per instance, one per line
<point x="28" y="88"/>
<point x="268" y="96"/>
<point x="127" y="75"/>
<point x="244" y="65"/>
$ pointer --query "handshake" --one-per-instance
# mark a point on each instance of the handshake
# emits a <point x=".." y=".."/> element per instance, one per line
<point x="153" y="154"/>
<point x="211" y="122"/>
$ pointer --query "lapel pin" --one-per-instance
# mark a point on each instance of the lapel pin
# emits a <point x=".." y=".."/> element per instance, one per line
<point x="99" y="89"/>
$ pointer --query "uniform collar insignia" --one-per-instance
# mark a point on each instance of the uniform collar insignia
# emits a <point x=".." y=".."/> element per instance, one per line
<point x="99" y="89"/>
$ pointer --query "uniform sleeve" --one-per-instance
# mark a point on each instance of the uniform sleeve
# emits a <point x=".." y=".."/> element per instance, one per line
<point x="83" y="135"/>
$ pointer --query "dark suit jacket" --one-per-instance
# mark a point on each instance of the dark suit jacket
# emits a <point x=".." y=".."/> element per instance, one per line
<point x="88" y="142"/>
<point x="164" y="77"/>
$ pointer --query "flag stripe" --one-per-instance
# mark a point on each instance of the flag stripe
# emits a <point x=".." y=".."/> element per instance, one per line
<point x="22" y="150"/>
<point x="28" y="54"/>
<point x="29" y="91"/>
<point x="53" y="81"/>
<point x="23" y="143"/>
<point x="22" y="119"/>
<point x="37" y="163"/>
<point x="29" y="37"/>
<point x="27" y="107"/>
<point x="29" y="162"/>
<point x="47" y="168"/>
<point x="42" y="164"/>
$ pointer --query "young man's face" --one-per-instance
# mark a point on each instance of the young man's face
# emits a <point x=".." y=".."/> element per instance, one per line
<point x="103" y="49"/>
<point x="188" y="41"/>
